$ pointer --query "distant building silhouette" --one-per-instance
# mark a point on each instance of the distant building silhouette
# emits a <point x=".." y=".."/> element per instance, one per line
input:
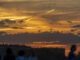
<point x="51" y="53"/>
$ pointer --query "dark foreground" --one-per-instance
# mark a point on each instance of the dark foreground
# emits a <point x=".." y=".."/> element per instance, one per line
<point x="41" y="53"/>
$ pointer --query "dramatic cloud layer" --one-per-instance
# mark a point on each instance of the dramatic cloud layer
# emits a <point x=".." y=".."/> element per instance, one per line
<point x="40" y="13"/>
<point x="18" y="16"/>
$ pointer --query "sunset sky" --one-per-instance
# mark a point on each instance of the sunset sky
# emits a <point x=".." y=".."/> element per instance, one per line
<point x="18" y="16"/>
<point x="61" y="15"/>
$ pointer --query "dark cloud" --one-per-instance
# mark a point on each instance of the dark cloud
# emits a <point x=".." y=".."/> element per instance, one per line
<point x="6" y="23"/>
<point x="73" y="30"/>
<point x="67" y="38"/>
<point x="76" y="26"/>
<point x="2" y="23"/>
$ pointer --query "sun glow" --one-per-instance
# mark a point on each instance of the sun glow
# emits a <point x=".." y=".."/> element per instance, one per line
<point x="15" y="17"/>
